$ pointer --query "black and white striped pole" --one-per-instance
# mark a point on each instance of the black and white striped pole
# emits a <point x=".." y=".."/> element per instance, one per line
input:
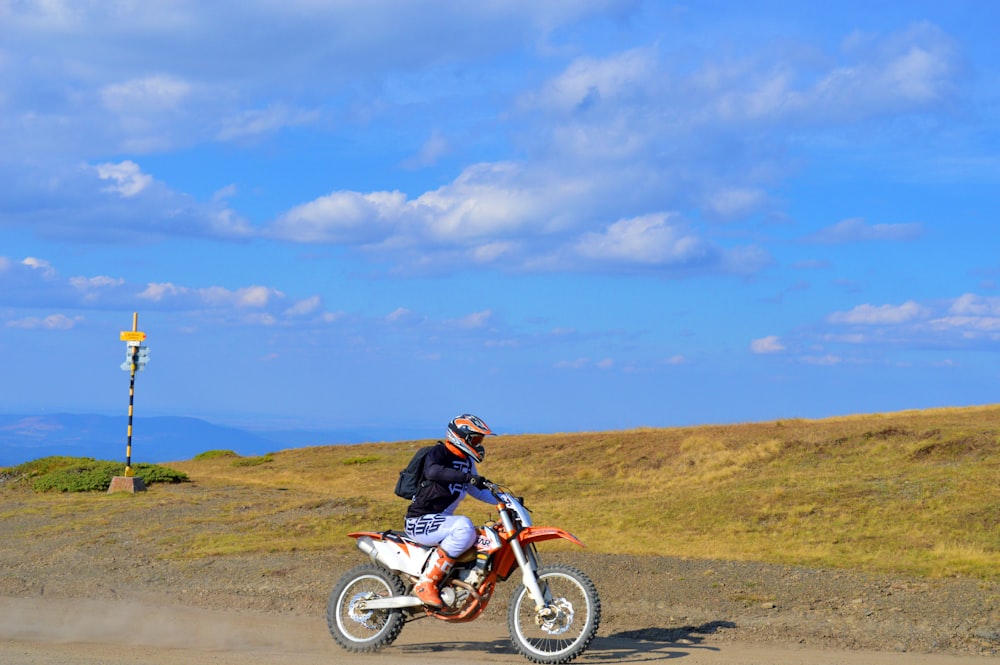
<point x="136" y="357"/>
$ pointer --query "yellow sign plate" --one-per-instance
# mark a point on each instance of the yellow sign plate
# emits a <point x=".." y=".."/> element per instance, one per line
<point x="132" y="336"/>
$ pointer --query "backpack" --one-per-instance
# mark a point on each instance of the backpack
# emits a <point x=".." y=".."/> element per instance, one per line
<point x="411" y="478"/>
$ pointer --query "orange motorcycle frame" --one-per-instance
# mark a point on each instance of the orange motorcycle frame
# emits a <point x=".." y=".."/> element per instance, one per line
<point x="504" y="564"/>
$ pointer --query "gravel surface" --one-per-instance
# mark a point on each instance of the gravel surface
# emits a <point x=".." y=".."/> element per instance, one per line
<point x="656" y="599"/>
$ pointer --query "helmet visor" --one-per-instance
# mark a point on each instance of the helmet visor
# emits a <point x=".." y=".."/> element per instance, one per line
<point x="475" y="441"/>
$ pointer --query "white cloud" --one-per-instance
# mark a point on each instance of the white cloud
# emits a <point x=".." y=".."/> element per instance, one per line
<point x="909" y="71"/>
<point x="127" y="177"/>
<point x="157" y="292"/>
<point x="917" y="74"/>
<point x="35" y="284"/>
<point x="649" y="240"/>
<point x="41" y="265"/>
<point x="262" y="121"/>
<point x="474" y="320"/>
<point x="856" y="229"/>
<point x="971" y="316"/>
<point x="490" y="211"/>
<point x="765" y="345"/>
<point x="494" y="251"/>
<point x="433" y="149"/>
<point x="975" y="305"/>
<point x="342" y="217"/>
<point x="731" y="203"/>
<point x="152" y="93"/>
<point x="99" y="282"/>
<point x="181" y="73"/>
<point x="969" y="324"/>
<point x="51" y="322"/>
<point x="224" y="193"/>
<point x="304" y="307"/>
<point x="621" y="136"/>
<point x="916" y="66"/>
<point x="250" y="297"/>
<point x="94" y="288"/>
<point x="109" y="203"/>
<point x="488" y="201"/>
<point x="881" y="314"/>
<point x="590" y="81"/>
<point x="400" y="314"/>
<point x="255" y="296"/>
<point x="968" y="321"/>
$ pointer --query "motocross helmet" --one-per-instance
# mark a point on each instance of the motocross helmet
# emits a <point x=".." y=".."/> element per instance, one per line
<point x="465" y="437"/>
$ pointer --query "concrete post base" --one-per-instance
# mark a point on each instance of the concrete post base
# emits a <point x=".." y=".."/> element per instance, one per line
<point x="128" y="484"/>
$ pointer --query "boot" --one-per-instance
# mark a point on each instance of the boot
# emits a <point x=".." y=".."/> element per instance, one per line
<point x="426" y="588"/>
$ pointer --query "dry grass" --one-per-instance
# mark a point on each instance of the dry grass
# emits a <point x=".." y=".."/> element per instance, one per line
<point x="914" y="492"/>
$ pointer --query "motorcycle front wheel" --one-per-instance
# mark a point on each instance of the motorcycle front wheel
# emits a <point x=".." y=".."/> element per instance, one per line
<point x="565" y="627"/>
<point x="357" y="629"/>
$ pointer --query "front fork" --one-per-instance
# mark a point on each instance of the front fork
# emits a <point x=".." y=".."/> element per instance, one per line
<point x="528" y="563"/>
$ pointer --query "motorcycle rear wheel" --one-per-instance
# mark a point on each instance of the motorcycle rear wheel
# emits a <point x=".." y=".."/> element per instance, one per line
<point x="364" y="630"/>
<point x="571" y="625"/>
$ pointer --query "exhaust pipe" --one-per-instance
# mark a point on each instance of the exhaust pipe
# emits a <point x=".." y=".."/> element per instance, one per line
<point x="390" y="555"/>
<point x="366" y="545"/>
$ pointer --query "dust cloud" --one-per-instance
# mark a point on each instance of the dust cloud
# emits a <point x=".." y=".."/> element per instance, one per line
<point x="161" y="626"/>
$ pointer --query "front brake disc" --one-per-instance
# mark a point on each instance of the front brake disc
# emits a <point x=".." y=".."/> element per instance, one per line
<point x="557" y="618"/>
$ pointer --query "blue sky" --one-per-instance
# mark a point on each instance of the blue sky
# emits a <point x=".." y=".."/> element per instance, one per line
<point x="561" y="216"/>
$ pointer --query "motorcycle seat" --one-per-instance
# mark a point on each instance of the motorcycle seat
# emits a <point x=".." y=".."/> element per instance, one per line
<point x="400" y="536"/>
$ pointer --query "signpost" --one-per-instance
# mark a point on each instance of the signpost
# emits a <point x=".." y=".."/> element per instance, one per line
<point x="136" y="357"/>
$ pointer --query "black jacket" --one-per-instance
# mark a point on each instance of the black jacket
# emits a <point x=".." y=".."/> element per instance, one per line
<point x="447" y="475"/>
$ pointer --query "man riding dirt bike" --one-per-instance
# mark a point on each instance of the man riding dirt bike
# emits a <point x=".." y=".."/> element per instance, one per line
<point x="444" y="567"/>
<point x="449" y="473"/>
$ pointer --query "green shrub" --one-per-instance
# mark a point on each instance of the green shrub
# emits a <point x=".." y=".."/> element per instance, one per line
<point x="214" y="454"/>
<point x="254" y="461"/>
<point x="154" y="473"/>
<point x="44" y="465"/>
<point x="85" y="474"/>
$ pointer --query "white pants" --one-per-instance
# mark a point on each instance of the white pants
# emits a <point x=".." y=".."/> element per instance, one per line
<point x="452" y="533"/>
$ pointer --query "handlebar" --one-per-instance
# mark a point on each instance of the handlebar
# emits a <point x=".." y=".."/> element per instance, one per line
<point x="499" y="492"/>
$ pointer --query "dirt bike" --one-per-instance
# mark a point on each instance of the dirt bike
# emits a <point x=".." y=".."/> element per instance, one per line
<point x="552" y="616"/>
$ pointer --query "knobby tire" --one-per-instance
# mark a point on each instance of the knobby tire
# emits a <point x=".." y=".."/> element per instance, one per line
<point x="566" y="638"/>
<point x="361" y="631"/>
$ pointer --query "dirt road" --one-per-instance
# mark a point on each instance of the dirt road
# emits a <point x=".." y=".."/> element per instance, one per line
<point x="267" y="607"/>
<point x="39" y="631"/>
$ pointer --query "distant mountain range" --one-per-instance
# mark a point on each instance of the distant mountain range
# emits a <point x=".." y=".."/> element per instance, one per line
<point x="160" y="439"/>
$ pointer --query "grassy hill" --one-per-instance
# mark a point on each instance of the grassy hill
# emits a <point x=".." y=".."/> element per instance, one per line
<point x="914" y="492"/>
